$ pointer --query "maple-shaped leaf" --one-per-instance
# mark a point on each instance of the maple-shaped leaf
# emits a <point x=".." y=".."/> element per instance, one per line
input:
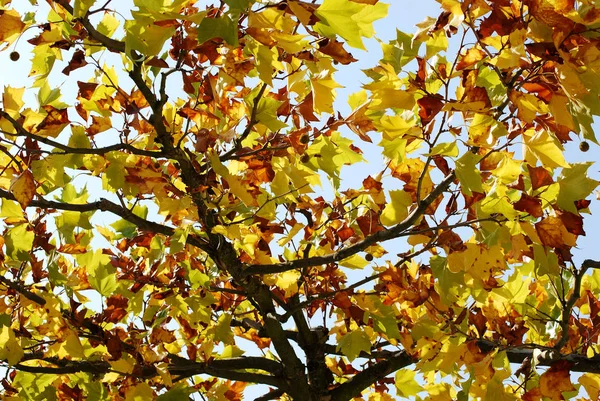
<point x="406" y="383"/>
<point x="556" y="381"/>
<point x="336" y="50"/>
<point x="575" y="185"/>
<point x="349" y="19"/>
<point x="550" y="232"/>
<point x="10" y="25"/>
<point x="353" y="343"/>
<point x="24" y="188"/>
<point x="529" y="204"/>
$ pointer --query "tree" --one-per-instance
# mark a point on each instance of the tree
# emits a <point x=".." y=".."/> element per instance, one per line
<point x="205" y="134"/>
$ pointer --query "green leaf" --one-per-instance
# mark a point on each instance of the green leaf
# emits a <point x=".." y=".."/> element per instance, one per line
<point x="349" y="19"/>
<point x="468" y="175"/>
<point x="177" y="393"/>
<point x="353" y="343"/>
<point x="574" y="185"/>
<point x="101" y="274"/>
<point x="19" y="242"/>
<point x="143" y="35"/>
<point x="223" y="329"/>
<point x="407" y="384"/>
<point x="222" y="27"/>
<point x="96" y="391"/>
<point x="397" y="209"/>
<point x="409" y="46"/>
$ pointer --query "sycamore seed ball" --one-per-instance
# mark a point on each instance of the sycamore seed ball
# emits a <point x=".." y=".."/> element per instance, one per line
<point x="14" y="56"/>
<point x="584" y="146"/>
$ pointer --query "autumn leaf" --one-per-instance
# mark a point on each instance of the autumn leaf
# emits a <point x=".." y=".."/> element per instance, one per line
<point x="10" y="26"/>
<point x="23" y="188"/>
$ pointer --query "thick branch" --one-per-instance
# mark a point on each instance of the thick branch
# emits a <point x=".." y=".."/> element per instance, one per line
<point x="369" y="376"/>
<point x="578" y="362"/>
<point x="380" y="236"/>
<point x="111" y="44"/>
<point x="20" y="288"/>
<point x="108" y="206"/>
<point x="231" y="369"/>
<point x="80" y="151"/>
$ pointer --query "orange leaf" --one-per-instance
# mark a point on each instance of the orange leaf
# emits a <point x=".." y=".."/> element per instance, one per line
<point x="550" y="233"/>
<point x="556" y="381"/>
<point x="23" y="188"/>
<point x="336" y="50"/>
<point x="472" y="57"/>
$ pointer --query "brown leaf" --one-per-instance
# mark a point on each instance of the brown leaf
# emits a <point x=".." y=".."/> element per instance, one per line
<point x="556" y="381"/>
<point x="116" y="308"/>
<point x="429" y="106"/>
<point x="550" y="233"/>
<point x="335" y="49"/>
<point x="573" y="222"/>
<point x="77" y="61"/>
<point x="369" y="223"/>
<point x="23" y="188"/>
<point x="306" y="108"/>
<point x="539" y="177"/>
<point x="477" y="319"/>
<point x="529" y="204"/>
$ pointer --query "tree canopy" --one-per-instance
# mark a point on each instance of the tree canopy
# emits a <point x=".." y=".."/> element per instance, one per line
<point x="178" y="220"/>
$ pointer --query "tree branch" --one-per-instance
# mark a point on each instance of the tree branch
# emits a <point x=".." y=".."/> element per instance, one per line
<point x="248" y="129"/>
<point x="20" y="288"/>
<point x="111" y="44"/>
<point x="231" y="369"/>
<point x="370" y="375"/>
<point x="79" y="151"/>
<point x="105" y="205"/>
<point x="380" y="236"/>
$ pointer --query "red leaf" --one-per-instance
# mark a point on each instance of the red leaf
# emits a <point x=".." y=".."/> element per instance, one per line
<point x="573" y="222"/>
<point x="429" y="106"/>
<point x="529" y="204"/>
<point x="77" y="61"/>
<point x="369" y="223"/>
<point x="539" y="177"/>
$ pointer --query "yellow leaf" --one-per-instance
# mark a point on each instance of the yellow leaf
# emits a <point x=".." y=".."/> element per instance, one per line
<point x="10" y="349"/>
<point x="141" y="392"/>
<point x="591" y="383"/>
<point x="323" y="94"/>
<point x="354" y="262"/>
<point x="540" y="146"/>
<point x="397" y="209"/>
<point x="23" y="188"/>
<point x="406" y="383"/>
<point x="288" y="282"/>
<point x="10" y="26"/>
<point x="508" y="169"/>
